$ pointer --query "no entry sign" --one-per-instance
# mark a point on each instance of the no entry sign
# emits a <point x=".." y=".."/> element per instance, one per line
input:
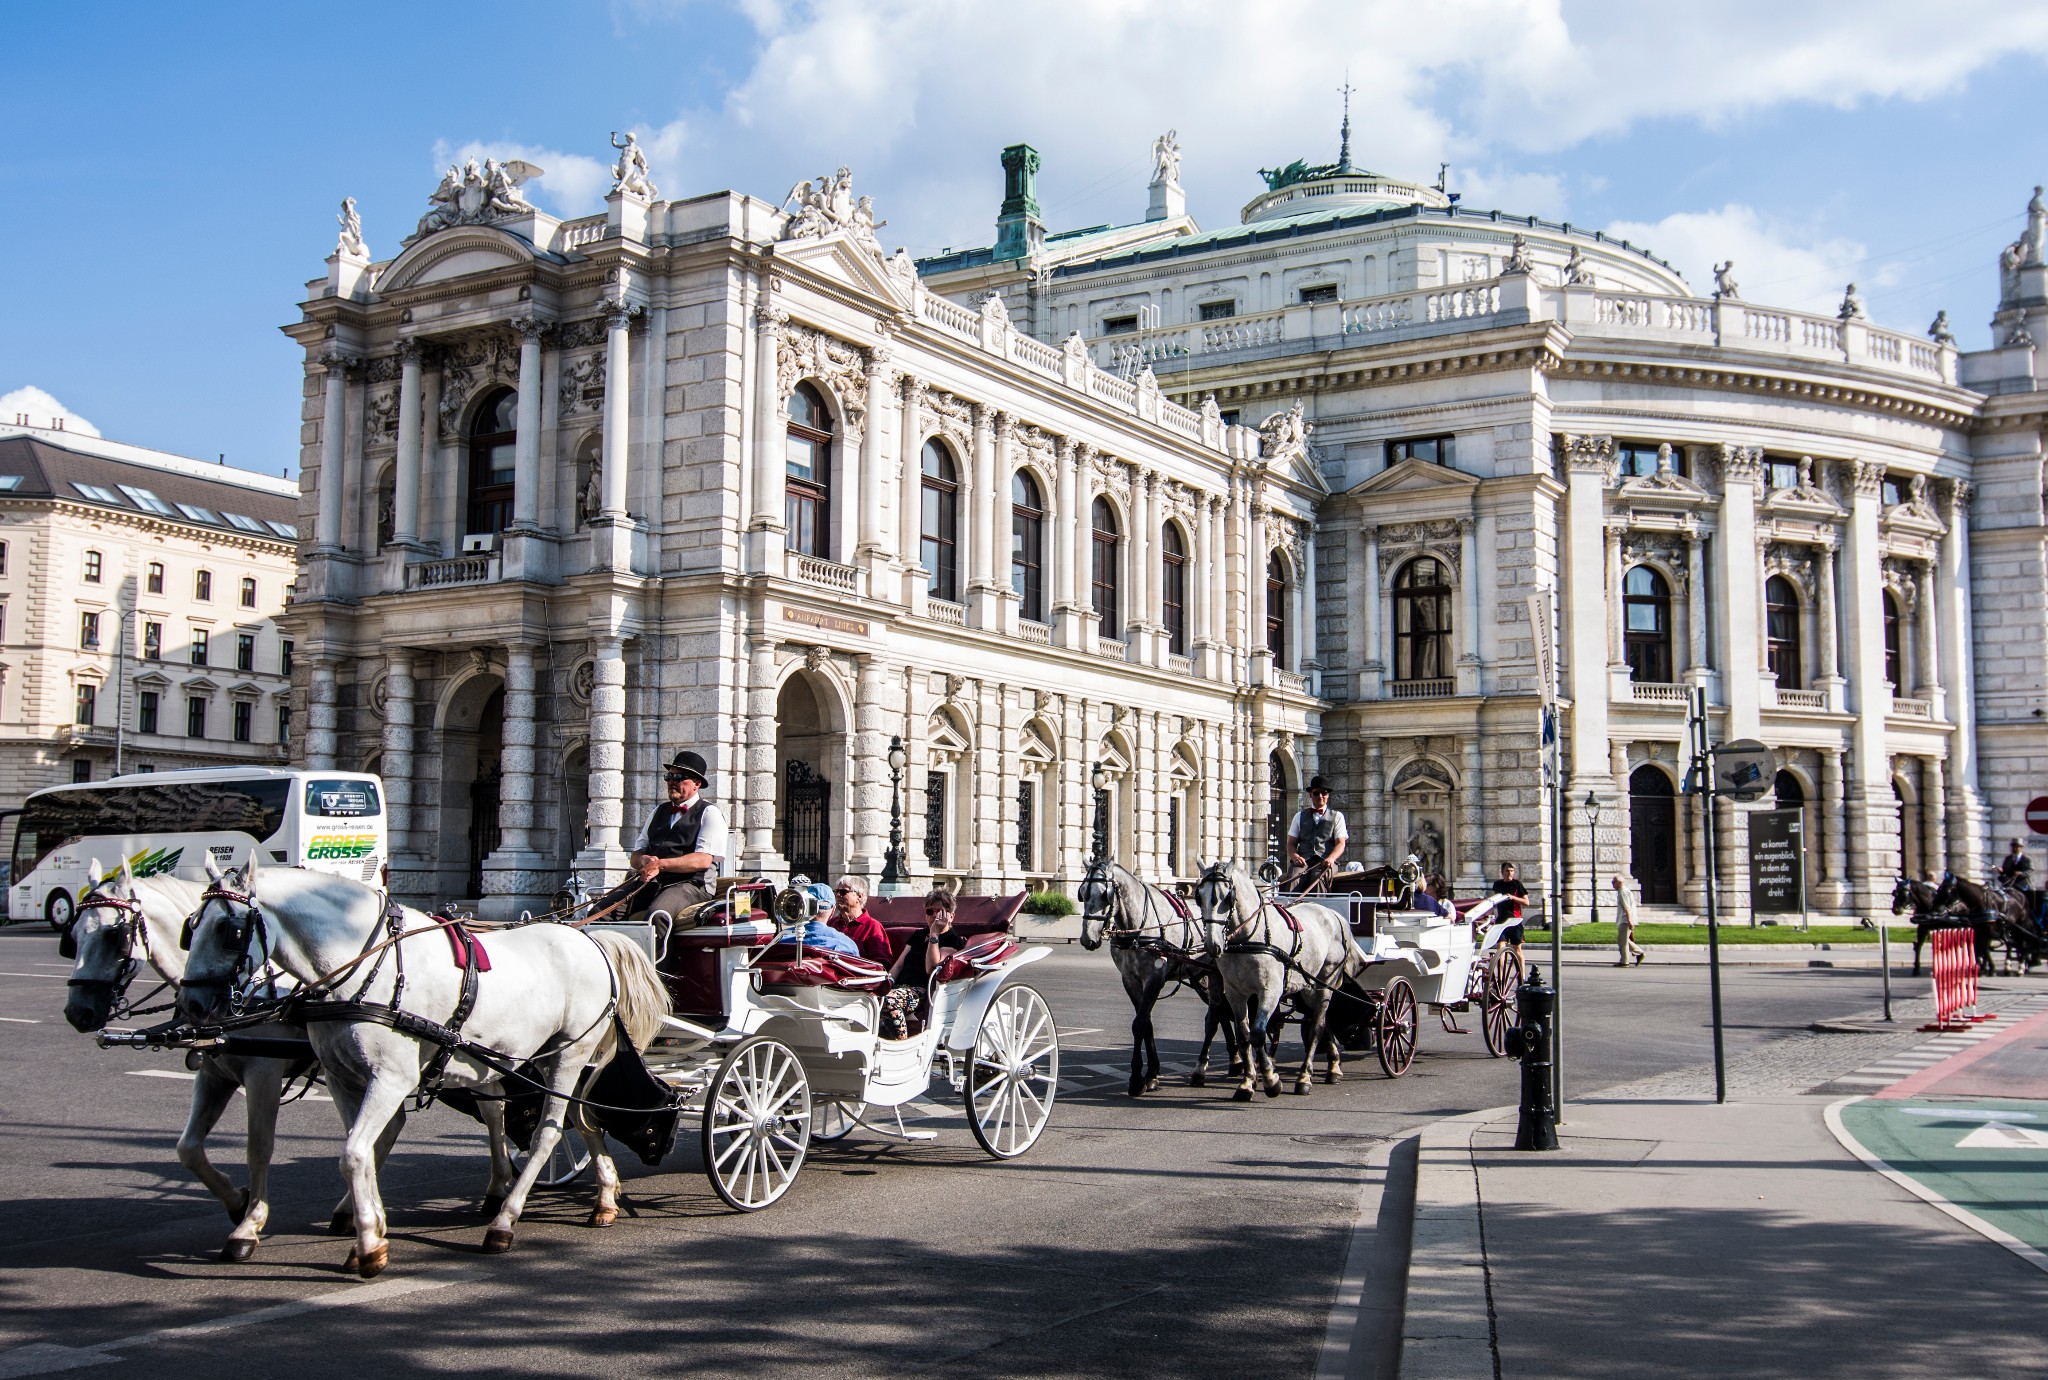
<point x="2037" y="814"/>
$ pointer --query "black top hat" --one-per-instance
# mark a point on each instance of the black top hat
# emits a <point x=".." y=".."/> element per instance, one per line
<point x="691" y="765"/>
<point x="1316" y="783"/>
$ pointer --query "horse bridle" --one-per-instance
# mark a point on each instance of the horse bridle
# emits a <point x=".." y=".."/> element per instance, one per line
<point x="1117" y="927"/>
<point x="242" y="928"/>
<point x="130" y="927"/>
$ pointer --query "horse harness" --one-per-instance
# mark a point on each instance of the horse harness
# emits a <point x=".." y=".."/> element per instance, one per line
<point x="1150" y="938"/>
<point x="133" y="931"/>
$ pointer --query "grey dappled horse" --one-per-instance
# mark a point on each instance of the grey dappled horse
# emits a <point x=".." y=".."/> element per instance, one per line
<point x="1264" y="959"/>
<point x="1153" y="943"/>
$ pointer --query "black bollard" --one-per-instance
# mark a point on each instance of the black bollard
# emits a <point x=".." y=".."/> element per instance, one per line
<point x="1530" y="1041"/>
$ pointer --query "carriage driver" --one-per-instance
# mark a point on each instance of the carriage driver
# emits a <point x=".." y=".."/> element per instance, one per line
<point x="1315" y="840"/>
<point x="675" y="860"/>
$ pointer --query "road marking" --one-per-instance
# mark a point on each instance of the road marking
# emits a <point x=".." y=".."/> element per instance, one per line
<point x="19" y="1020"/>
<point x="49" y="977"/>
<point x="1084" y="1030"/>
<point x="1969" y="1113"/>
<point x="1997" y="1135"/>
<point x="161" y="1073"/>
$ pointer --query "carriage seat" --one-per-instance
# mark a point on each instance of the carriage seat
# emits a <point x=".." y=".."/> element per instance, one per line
<point x="805" y="965"/>
<point x="973" y="916"/>
<point x="978" y="956"/>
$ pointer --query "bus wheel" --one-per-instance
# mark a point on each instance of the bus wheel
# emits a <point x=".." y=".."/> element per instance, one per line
<point x="58" y="910"/>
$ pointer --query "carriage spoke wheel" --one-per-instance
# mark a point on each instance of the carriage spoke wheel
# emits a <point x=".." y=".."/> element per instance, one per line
<point x="1497" y="1001"/>
<point x="1014" y="1073"/>
<point x="835" y="1120"/>
<point x="564" y="1165"/>
<point x="1397" y="1028"/>
<point x="757" y="1123"/>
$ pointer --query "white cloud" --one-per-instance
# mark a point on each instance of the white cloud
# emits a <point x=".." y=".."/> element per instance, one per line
<point x="41" y="410"/>
<point x="572" y="184"/>
<point x="1524" y="193"/>
<point x="1780" y="264"/>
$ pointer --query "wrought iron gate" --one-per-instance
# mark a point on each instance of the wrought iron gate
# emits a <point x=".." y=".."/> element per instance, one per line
<point x="806" y="819"/>
<point x="485" y="834"/>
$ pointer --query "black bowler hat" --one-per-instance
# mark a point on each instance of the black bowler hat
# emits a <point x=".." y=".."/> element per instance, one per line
<point x="690" y="764"/>
<point x="1316" y="783"/>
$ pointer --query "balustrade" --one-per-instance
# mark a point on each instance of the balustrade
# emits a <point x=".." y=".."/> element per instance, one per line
<point x="1815" y="701"/>
<point x="462" y="570"/>
<point x="946" y="611"/>
<point x="842" y="579"/>
<point x="1422" y="689"/>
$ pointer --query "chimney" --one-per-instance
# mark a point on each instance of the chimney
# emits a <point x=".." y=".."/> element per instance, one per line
<point x="1019" y="231"/>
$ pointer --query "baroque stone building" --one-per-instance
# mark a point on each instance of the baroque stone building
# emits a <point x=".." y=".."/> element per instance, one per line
<point x="708" y="473"/>
<point x="1834" y="528"/>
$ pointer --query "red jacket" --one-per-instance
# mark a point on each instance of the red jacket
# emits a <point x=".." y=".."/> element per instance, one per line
<point x="865" y="931"/>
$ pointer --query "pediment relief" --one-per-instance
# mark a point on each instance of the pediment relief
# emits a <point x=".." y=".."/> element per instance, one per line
<point x="1412" y="476"/>
<point x="1665" y="488"/>
<point x="843" y="259"/>
<point x="455" y="254"/>
<point x="1807" y="500"/>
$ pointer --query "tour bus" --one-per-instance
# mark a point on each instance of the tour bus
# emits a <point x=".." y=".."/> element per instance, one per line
<point x="171" y="821"/>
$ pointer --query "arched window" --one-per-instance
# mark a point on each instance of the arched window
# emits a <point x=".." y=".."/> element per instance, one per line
<point x="1173" y="588"/>
<point x="1894" y="632"/>
<point x="939" y="547"/>
<point x="1646" y="624"/>
<point x="1781" y="631"/>
<point x="1785" y="786"/>
<point x="1276" y="609"/>
<point x="1027" y="545"/>
<point x="1277" y="796"/>
<point x="493" y="440"/>
<point x="1422" y="621"/>
<point x="1102" y="578"/>
<point x="806" y="502"/>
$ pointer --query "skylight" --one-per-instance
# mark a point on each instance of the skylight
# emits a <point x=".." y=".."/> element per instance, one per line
<point x="199" y="514"/>
<point x="285" y="530"/>
<point x="98" y="494"/>
<point x="148" y="501"/>
<point x="247" y="524"/>
<point x="9" y="482"/>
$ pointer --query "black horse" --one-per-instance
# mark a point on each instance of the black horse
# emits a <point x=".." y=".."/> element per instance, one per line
<point x="1929" y="914"/>
<point x="2002" y="911"/>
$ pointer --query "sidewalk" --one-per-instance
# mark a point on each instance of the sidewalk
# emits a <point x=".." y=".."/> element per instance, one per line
<point x="1672" y="1236"/>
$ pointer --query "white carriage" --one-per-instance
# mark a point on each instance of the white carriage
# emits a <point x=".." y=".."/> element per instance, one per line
<point x="776" y="1044"/>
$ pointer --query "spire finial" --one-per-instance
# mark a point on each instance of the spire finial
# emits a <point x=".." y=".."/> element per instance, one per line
<point x="1344" y="147"/>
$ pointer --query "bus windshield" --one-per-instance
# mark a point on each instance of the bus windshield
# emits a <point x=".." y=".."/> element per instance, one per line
<point x="255" y="808"/>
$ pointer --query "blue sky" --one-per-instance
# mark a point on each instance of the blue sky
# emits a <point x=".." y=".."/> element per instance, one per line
<point x="169" y="175"/>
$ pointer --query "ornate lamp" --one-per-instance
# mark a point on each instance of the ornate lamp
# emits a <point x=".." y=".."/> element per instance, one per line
<point x="1099" y="779"/>
<point x="894" y="873"/>
<point x="1593" y="856"/>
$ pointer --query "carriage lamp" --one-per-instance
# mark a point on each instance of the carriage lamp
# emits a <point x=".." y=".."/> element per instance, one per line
<point x="1099" y="779"/>
<point x="894" y="873"/>
<point x="1593" y="857"/>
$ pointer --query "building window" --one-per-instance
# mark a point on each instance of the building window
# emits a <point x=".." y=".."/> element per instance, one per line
<point x="248" y="591"/>
<point x="935" y="818"/>
<point x="1638" y="459"/>
<point x="95" y="566"/>
<point x="3" y="558"/>
<point x="245" y="719"/>
<point x="1102" y="570"/>
<point x="284" y="657"/>
<point x="1276" y="609"/>
<point x="154" y="580"/>
<point x="245" y="651"/>
<point x="81" y="770"/>
<point x="152" y="641"/>
<point x="939" y="545"/>
<point x="1422" y="621"/>
<point x="1646" y="624"/>
<point x="1216" y="311"/>
<point x="202" y="585"/>
<point x="1892" y="491"/>
<point x="1781" y="631"/>
<point x="195" y="716"/>
<point x="1173" y="866"/>
<point x="1894" y="633"/>
<point x="1120" y="325"/>
<point x="1780" y="472"/>
<point x="1230" y="416"/>
<point x="1027" y="545"/>
<point x="1435" y="449"/>
<point x="199" y="646"/>
<point x="1320" y="292"/>
<point x="88" y="632"/>
<point x="1027" y="796"/>
<point x="146" y="711"/>
<point x="88" y="703"/>
<point x="284" y="724"/>
<point x="806" y="503"/>
<point x="1173" y="588"/>
<point x="493" y="446"/>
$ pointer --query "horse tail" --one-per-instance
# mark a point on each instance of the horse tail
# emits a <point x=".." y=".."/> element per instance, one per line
<point x="643" y="997"/>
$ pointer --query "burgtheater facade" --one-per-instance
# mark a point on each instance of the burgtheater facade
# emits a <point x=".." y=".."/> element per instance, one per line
<point x="1279" y="498"/>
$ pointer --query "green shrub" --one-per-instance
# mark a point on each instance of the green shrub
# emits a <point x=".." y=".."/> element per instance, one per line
<point x="1049" y="903"/>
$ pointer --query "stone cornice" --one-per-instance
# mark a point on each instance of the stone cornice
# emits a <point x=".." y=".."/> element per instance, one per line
<point x="1734" y="378"/>
<point x="1323" y="372"/>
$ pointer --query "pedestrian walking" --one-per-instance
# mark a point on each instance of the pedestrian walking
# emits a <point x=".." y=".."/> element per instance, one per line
<point x="1625" y="924"/>
<point x="1510" y="885"/>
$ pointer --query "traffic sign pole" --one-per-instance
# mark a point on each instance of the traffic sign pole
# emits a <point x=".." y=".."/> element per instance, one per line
<point x="1703" y="780"/>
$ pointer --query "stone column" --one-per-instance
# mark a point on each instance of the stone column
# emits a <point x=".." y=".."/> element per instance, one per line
<point x="1934" y="814"/>
<point x="979" y="501"/>
<point x="1375" y="803"/>
<point x="1138" y="619"/>
<point x="1696" y="606"/>
<point x="396" y="765"/>
<point x="618" y="353"/>
<point x="405" y="523"/>
<point x="1586" y="560"/>
<point x="1064" y="531"/>
<point x="1872" y="809"/>
<point x="910" y="490"/>
<point x="1617" y="650"/>
<point x="515" y="791"/>
<point x="867" y="796"/>
<point x="1216" y="565"/>
<point x="1366" y="592"/>
<point x="1256" y="556"/>
<point x="526" y="449"/>
<point x="435" y="516"/>
<point x="333" y="441"/>
<point x="874" y="539"/>
<point x="1965" y="824"/>
<point x="321" y="720"/>
<point x="604" y="850"/>
<point x="1471" y="814"/>
<point x="1830" y="630"/>
<point x="1927" y="678"/>
<point x="1309" y="655"/>
<point x="1736" y="578"/>
<point x="770" y="439"/>
<point x="1833" y="829"/>
<point x="1468" y="608"/>
<point x="759" y="853"/>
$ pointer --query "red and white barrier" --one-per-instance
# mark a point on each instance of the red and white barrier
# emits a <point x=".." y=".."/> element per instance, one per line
<point x="1955" y="979"/>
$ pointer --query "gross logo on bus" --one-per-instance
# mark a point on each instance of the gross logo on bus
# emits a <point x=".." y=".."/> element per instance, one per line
<point x="341" y="847"/>
<point x="150" y="862"/>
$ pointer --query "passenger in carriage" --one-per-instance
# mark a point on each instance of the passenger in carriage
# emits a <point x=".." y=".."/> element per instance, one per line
<point x="850" y="917"/>
<point x="676" y="858"/>
<point x="1433" y="894"/>
<point x="904" y="1009"/>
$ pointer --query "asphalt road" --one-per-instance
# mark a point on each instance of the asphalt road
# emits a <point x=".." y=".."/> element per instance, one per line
<point x="1182" y="1234"/>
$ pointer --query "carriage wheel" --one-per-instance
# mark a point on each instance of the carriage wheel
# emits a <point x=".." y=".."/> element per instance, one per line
<point x="1497" y="1002"/>
<point x="1397" y="1028"/>
<point x="835" y="1120"/>
<point x="757" y="1123"/>
<point x="565" y="1163"/>
<point x="1014" y="1073"/>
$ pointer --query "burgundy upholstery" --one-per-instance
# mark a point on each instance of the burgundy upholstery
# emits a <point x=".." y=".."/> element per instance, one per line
<point x="690" y="964"/>
<point x="973" y="916"/>
<point x="990" y="948"/>
<point x="792" y="965"/>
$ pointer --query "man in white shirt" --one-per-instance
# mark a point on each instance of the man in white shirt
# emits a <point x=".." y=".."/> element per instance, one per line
<point x="1315" y="840"/>
<point x="1625" y="924"/>
<point x="676" y="858"/>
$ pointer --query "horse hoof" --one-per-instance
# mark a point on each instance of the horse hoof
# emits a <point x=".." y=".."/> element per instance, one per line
<point x="372" y="1265"/>
<point x="237" y="1250"/>
<point x="493" y="1203"/>
<point x="1332" y="1077"/>
<point x="1198" y="1080"/>
<point x="240" y="1210"/>
<point x="1152" y="1085"/>
<point x="340" y="1224"/>
<point x="1300" y="1088"/>
<point x="497" y="1242"/>
<point x="603" y="1216"/>
<point x="1242" y="1095"/>
<point x="1273" y="1088"/>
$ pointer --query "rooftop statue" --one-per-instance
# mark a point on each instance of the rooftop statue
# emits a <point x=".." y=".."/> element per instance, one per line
<point x="827" y="207"/>
<point x="1166" y="158"/>
<point x="1939" y="331"/>
<point x="1577" y="273"/>
<point x="629" y="174"/>
<point x="351" y="242"/>
<point x="1518" y="256"/>
<point x="1852" y="306"/>
<point x="1300" y="170"/>
<point x="2037" y="232"/>
<point x="1284" y="435"/>
<point x="472" y="195"/>
<point x="1724" y="281"/>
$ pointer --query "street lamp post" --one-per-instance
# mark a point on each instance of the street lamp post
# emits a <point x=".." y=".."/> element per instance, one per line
<point x="1099" y="779"/>
<point x="894" y="873"/>
<point x="1593" y="857"/>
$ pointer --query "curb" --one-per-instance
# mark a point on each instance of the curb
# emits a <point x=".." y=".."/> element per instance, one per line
<point x="1447" y="1321"/>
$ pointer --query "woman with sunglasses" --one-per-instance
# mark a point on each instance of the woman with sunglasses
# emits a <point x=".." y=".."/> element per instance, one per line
<point x="904" y="1008"/>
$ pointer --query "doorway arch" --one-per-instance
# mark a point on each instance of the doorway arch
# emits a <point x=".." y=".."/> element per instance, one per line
<point x="472" y="728"/>
<point x="1653" y="836"/>
<point x="810" y="756"/>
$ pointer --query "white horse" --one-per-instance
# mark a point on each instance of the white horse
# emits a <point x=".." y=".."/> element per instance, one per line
<point x="1267" y="956"/>
<point x="553" y="996"/>
<point x="126" y="921"/>
<point x="1152" y="943"/>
